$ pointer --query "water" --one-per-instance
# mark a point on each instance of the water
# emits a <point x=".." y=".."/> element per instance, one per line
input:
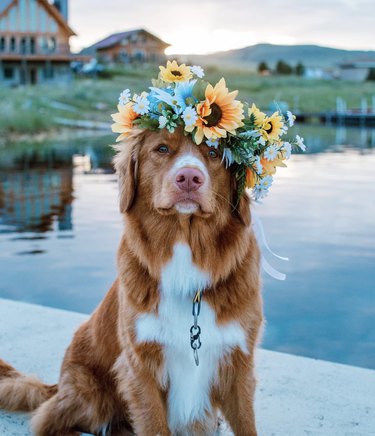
<point x="60" y="227"/>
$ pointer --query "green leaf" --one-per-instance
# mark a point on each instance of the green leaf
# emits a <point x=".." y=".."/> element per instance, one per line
<point x="199" y="90"/>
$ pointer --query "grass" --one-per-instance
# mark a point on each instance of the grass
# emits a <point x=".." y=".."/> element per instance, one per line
<point x="30" y="110"/>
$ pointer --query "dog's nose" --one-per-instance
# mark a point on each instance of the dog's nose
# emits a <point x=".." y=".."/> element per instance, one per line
<point x="189" y="179"/>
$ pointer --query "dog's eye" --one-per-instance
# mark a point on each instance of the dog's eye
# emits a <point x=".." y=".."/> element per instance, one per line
<point x="212" y="153"/>
<point x="163" y="149"/>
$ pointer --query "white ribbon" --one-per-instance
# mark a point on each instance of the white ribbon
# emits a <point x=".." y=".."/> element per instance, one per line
<point x="261" y="238"/>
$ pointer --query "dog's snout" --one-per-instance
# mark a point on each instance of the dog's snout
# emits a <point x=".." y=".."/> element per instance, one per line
<point x="189" y="179"/>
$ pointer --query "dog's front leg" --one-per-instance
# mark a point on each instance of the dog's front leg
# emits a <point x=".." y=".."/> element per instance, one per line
<point x="145" y="399"/>
<point x="237" y="395"/>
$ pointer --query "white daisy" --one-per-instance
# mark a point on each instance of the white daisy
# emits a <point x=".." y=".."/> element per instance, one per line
<point x="258" y="165"/>
<point x="284" y="130"/>
<point x="300" y="143"/>
<point x="189" y="116"/>
<point x="290" y="118"/>
<point x="162" y="121"/>
<point x="141" y="105"/>
<point x="227" y="157"/>
<point x="261" y="189"/>
<point x="287" y="147"/>
<point x="266" y="182"/>
<point x="213" y="142"/>
<point x="124" y="97"/>
<point x="271" y="152"/>
<point x="198" y="71"/>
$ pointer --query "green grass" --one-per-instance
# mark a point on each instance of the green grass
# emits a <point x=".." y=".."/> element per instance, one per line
<point x="31" y="109"/>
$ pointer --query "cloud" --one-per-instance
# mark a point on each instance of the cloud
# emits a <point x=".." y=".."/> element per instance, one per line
<point x="206" y="26"/>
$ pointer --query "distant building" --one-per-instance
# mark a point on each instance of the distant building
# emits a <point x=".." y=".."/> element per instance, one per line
<point x="134" y="45"/>
<point x="356" y="71"/>
<point x="34" y="41"/>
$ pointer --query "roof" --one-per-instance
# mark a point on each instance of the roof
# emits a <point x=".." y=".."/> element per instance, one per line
<point x="5" y="4"/>
<point x="116" y="38"/>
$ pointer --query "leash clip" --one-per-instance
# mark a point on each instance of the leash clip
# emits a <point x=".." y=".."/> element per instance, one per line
<point x="195" y="330"/>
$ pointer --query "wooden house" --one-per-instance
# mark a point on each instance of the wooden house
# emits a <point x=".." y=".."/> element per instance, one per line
<point x="135" y="45"/>
<point x="34" y="42"/>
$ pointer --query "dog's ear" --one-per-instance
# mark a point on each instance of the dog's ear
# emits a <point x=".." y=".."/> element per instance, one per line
<point x="126" y="163"/>
<point x="241" y="207"/>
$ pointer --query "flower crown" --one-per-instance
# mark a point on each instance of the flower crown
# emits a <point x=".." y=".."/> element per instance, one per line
<point x="248" y="139"/>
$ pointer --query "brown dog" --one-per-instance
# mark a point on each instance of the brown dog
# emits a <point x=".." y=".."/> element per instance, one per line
<point x="130" y="367"/>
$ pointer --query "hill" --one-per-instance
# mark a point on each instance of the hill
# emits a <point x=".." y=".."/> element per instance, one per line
<point x="309" y="55"/>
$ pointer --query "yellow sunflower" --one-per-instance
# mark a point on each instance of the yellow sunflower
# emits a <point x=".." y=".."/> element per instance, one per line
<point x="175" y="73"/>
<point x="219" y="113"/>
<point x="123" y="120"/>
<point x="272" y="127"/>
<point x="259" y="116"/>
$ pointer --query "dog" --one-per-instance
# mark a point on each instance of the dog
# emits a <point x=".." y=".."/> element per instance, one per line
<point x="143" y="364"/>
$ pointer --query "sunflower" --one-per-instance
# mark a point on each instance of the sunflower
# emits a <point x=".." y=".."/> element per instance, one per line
<point x="123" y="120"/>
<point x="272" y="127"/>
<point x="175" y="73"/>
<point x="219" y="113"/>
<point x="259" y="116"/>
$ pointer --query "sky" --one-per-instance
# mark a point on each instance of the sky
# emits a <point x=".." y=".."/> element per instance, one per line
<point x="206" y="26"/>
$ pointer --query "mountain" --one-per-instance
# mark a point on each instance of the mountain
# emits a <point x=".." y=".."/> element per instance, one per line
<point x="309" y="55"/>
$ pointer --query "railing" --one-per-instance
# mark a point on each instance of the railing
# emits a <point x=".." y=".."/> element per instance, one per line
<point x="31" y="46"/>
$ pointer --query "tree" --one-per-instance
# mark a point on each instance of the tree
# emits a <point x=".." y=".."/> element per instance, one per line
<point x="300" y="69"/>
<point x="262" y="67"/>
<point x="283" y="68"/>
<point x="371" y="74"/>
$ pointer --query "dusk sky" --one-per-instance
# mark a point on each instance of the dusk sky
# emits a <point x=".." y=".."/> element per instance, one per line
<point x="198" y="26"/>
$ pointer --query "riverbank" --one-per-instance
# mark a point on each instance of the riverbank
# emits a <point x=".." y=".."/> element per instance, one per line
<point x="31" y="110"/>
<point x="295" y="395"/>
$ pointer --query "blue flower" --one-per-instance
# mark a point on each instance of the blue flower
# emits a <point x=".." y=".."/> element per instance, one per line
<point x="159" y="101"/>
<point x="165" y="96"/>
<point x="184" y="91"/>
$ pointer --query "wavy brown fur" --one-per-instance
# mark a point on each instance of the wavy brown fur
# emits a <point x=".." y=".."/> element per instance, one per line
<point x="107" y="377"/>
<point x="21" y="393"/>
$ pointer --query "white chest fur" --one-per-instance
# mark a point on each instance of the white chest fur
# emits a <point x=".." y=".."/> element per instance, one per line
<point x="189" y="385"/>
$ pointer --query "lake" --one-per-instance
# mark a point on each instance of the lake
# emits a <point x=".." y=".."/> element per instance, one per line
<point x="60" y="228"/>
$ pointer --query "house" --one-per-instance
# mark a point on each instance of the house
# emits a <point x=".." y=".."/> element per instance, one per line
<point x="34" y="42"/>
<point x="357" y="71"/>
<point x="134" y="45"/>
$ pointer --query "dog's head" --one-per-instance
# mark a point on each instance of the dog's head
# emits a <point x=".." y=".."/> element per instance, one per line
<point x="170" y="174"/>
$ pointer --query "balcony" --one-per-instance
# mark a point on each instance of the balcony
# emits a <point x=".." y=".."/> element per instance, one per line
<point x="30" y="48"/>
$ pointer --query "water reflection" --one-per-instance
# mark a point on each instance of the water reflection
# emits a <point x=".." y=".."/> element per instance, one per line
<point x="60" y="227"/>
<point x="31" y="199"/>
<point x="36" y="183"/>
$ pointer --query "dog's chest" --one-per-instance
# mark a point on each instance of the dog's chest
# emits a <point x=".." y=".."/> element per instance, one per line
<point x="189" y="385"/>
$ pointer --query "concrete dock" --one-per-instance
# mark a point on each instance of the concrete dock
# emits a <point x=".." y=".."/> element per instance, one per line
<point x="296" y="396"/>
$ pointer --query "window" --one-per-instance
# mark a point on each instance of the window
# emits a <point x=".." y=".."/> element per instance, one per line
<point x="8" y="73"/>
<point x="51" y="41"/>
<point x="23" y="47"/>
<point x="2" y="43"/>
<point x="32" y="45"/>
<point x="13" y="44"/>
<point x="43" y="44"/>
